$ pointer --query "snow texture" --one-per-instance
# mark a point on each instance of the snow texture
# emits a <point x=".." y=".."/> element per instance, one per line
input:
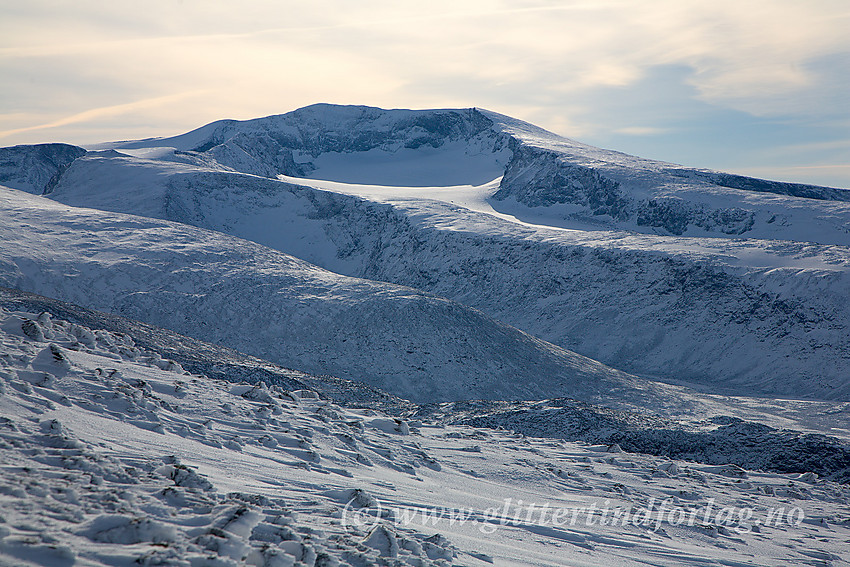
<point x="288" y="337"/>
<point x="111" y="456"/>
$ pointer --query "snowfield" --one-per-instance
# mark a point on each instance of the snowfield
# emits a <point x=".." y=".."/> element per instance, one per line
<point x="113" y="455"/>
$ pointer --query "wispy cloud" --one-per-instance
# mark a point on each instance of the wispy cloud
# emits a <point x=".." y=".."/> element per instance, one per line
<point x="832" y="174"/>
<point x="105" y="112"/>
<point x="816" y="147"/>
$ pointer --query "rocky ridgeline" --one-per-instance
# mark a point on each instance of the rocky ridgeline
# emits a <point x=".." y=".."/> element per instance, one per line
<point x="721" y="440"/>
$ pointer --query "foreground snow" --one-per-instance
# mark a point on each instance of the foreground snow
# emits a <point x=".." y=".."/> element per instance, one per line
<point x="113" y="455"/>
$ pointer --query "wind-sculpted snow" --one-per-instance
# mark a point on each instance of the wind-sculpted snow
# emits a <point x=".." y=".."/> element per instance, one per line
<point x="114" y="455"/>
<point x="234" y="292"/>
<point x="102" y="443"/>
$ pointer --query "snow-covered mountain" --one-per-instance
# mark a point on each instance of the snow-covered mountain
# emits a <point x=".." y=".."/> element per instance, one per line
<point x="364" y="145"/>
<point x="657" y="269"/>
<point x="36" y="169"/>
<point x="250" y="300"/>
<point x="230" y="291"/>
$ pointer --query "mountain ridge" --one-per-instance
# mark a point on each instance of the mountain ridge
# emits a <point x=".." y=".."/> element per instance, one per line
<point x="650" y="304"/>
<point x="226" y="290"/>
<point x="646" y="266"/>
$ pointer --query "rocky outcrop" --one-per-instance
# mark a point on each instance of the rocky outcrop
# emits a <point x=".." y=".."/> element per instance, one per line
<point x="37" y="168"/>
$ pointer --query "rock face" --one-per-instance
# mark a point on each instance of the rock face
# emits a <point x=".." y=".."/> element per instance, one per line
<point x="541" y="177"/>
<point x="538" y="178"/>
<point x="722" y="440"/>
<point x="36" y="169"/>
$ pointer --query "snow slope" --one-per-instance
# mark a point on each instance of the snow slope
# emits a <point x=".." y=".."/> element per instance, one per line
<point x="734" y="283"/>
<point x="741" y="315"/>
<point x="111" y="455"/>
<point x="234" y="292"/>
<point x="199" y="357"/>
<point x="803" y="435"/>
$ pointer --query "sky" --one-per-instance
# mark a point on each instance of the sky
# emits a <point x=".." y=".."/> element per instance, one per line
<point x="759" y="87"/>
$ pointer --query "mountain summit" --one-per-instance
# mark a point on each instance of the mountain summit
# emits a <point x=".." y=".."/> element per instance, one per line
<point x="366" y="145"/>
<point x="735" y="283"/>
